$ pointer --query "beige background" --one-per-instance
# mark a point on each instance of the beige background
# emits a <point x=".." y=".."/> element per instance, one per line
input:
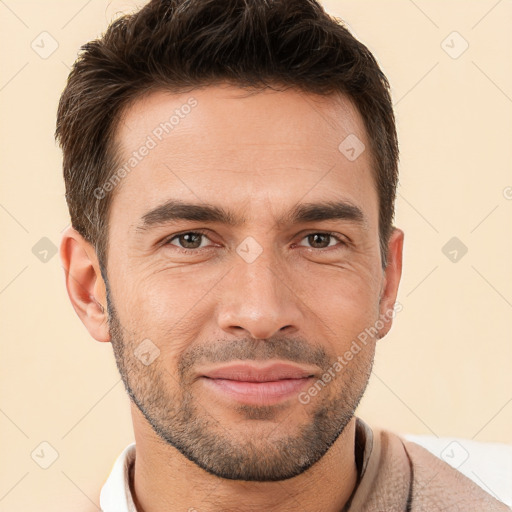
<point x="445" y="368"/>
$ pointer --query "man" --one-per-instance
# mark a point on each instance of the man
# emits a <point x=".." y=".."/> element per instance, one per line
<point x="230" y="170"/>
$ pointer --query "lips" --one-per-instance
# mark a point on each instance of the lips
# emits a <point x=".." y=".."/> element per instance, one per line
<point x="252" y="373"/>
<point x="257" y="384"/>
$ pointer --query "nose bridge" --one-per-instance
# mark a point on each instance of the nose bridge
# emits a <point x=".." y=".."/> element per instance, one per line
<point x="257" y="297"/>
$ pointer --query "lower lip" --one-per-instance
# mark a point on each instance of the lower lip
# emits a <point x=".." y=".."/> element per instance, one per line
<point x="258" y="393"/>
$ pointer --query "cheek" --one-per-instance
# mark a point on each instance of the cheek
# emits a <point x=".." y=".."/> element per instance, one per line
<point x="342" y="304"/>
<point x="168" y="309"/>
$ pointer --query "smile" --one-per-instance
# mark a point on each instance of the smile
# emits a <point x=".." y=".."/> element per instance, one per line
<point x="258" y="385"/>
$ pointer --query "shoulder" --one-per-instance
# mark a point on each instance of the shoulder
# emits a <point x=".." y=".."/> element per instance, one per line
<point x="438" y="486"/>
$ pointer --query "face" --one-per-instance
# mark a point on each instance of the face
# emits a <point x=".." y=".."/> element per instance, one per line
<point x="243" y="263"/>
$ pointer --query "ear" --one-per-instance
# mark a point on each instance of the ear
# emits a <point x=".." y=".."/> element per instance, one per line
<point x="392" y="275"/>
<point x="84" y="283"/>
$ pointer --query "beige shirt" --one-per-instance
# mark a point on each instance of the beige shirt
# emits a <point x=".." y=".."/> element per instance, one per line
<point x="400" y="476"/>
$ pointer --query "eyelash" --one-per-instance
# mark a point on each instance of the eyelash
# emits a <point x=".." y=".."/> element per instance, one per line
<point x="205" y="234"/>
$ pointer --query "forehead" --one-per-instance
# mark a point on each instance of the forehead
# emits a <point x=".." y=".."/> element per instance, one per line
<point x="257" y="117"/>
<point x="255" y="152"/>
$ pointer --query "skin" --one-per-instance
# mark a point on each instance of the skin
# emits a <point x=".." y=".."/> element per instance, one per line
<point x="257" y="156"/>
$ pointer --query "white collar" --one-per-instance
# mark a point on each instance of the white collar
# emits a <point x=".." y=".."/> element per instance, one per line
<point x="115" y="494"/>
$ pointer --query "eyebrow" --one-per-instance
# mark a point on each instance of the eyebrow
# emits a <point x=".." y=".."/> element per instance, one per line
<point x="179" y="210"/>
<point x="174" y="210"/>
<point x="329" y="210"/>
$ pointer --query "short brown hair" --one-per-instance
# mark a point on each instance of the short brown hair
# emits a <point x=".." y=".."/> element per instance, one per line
<point x="180" y="45"/>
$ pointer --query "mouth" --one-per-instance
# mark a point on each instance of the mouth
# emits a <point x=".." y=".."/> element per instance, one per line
<point x="253" y="384"/>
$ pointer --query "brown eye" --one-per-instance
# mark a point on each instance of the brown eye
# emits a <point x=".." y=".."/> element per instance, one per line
<point x="190" y="240"/>
<point x="319" y="240"/>
<point x="322" y="240"/>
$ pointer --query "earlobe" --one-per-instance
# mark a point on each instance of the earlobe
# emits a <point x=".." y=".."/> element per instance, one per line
<point x="84" y="283"/>
<point x="392" y="275"/>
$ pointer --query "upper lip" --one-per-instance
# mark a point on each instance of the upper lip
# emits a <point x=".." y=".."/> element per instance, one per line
<point x="259" y="373"/>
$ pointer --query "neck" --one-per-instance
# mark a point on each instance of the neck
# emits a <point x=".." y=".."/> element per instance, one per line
<point x="163" y="479"/>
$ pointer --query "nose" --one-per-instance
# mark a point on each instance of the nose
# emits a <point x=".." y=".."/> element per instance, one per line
<point x="258" y="300"/>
